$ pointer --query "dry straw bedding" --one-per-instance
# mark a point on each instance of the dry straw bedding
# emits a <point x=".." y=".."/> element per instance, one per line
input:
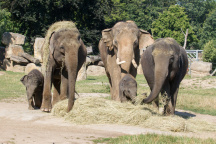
<point x="94" y="110"/>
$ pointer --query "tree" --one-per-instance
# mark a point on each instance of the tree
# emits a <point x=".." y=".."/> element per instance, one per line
<point x="35" y="16"/>
<point x="209" y="51"/>
<point x="209" y="29"/>
<point x="171" y="23"/>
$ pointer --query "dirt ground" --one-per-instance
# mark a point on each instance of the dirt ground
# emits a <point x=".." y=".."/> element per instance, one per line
<point x="20" y="125"/>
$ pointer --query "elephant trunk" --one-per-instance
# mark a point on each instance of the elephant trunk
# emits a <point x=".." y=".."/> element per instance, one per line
<point x="160" y="75"/>
<point x="72" y="64"/>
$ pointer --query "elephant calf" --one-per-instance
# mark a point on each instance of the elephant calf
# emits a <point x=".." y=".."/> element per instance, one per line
<point x="127" y="88"/>
<point x="34" y="88"/>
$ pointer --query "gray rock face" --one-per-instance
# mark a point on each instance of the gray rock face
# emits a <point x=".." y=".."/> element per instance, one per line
<point x="95" y="70"/>
<point x="38" y="47"/>
<point x="9" y="38"/>
<point x="13" y="50"/>
<point x="200" y="69"/>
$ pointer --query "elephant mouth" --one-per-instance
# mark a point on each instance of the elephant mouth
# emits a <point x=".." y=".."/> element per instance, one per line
<point x="118" y="62"/>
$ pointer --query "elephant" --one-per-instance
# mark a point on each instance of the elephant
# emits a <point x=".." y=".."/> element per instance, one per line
<point x="120" y="52"/>
<point x="66" y="57"/>
<point x="164" y="65"/>
<point x="127" y="88"/>
<point x="34" y="88"/>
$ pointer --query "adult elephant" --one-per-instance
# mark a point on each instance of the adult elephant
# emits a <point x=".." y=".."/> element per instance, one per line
<point x="120" y="52"/>
<point x="66" y="55"/>
<point x="164" y="65"/>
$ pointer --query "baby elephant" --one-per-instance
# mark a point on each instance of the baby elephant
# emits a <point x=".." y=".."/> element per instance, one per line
<point x="34" y="88"/>
<point x="127" y="88"/>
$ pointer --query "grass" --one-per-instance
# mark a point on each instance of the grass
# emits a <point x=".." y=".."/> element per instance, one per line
<point x="153" y="139"/>
<point x="11" y="87"/>
<point x="194" y="99"/>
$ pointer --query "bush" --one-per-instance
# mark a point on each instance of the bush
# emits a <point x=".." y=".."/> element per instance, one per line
<point x="209" y="51"/>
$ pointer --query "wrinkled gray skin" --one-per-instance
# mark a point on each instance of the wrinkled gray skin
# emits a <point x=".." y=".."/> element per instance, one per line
<point x="127" y="88"/>
<point x="120" y="52"/>
<point x="164" y="65"/>
<point x="34" y="88"/>
<point x="67" y="55"/>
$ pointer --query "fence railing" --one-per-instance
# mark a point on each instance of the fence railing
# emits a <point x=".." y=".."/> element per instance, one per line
<point x="193" y="55"/>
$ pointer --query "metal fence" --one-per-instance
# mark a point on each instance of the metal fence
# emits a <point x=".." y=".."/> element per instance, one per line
<point x="193" y="55"/>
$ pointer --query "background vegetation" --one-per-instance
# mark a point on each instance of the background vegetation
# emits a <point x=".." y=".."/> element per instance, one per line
<point x="162" y="18"/>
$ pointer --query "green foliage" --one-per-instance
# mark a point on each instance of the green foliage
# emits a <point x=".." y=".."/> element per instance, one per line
<point x="5" y="22"/>
<point x="209" y="51"/>
<point x="171" y="23"/>
<point x="35" y="16"/>
<point x="209" y="28"/>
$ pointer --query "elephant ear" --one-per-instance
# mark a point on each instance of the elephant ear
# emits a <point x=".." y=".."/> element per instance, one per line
<point x="51" y="45"/>
<point x="107" y="38"/>
<point x="145" y="39"/>
<point x="24" y="80"/>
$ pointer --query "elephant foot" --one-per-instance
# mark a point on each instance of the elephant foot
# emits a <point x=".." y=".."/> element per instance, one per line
<point x="46" y="107"/>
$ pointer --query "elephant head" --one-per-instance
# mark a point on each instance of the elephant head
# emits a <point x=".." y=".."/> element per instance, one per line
<point x="166" y="57"/>
<point x="125" y="40"/>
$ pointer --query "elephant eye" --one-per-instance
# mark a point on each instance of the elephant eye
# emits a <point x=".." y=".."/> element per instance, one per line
<point x="135" y="42"/>
<point x="171" y="59"/>
<point x="61" y="47"/>
<point x="115" y="42"/>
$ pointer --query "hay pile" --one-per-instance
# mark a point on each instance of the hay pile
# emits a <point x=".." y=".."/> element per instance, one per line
<point x="92" y="110"/>
<point x="53" y="28"/>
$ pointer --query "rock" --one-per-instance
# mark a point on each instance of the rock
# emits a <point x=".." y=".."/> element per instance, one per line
<point x="37" y="48"/>
<point x="7" y="65"/>
<point x="95" y="70"/>
<point x="9" y="38"/>
<point x="13" y="50"/>
<point x="139" y="69"/>
<point x="82" y="74"/>
<point x="30" y="67"/>
<point x="201" y="66"/>
<point x="88" y="61"/>
<point x="19" y="68"/>
<point x="199" y="74"/>
<point x="19" y="60"/>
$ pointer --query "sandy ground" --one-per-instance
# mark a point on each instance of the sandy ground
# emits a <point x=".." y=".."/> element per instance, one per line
<point x="20" y="125"/>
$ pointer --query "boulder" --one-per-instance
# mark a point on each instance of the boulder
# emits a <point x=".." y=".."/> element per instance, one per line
<point x="201" y="66"/>
<point x="199" y="74"/>
<point x="38" y="47"/>
<point x="30" y="67"/>
<point x="13" y="50"/>
<point x="93" y="70"/>
<point x="9" y="38"/>
<point x="200" y="69"/>
<point x="82" y="75"/>
<point x="19" y="68"/>
<point x="7" y="65"/>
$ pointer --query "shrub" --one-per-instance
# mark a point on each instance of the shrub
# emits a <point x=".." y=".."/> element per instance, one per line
<point x="209" y="51"/>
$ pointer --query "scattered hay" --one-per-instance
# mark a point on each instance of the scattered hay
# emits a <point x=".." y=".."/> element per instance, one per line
<point x="94" y="110"/>
<point x="53" y="28"/>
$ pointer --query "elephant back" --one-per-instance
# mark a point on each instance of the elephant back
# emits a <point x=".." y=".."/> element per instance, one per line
<point x="53" y="28"/>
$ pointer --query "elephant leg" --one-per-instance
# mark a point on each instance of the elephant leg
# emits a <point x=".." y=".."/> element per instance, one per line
<point x="30" y="94"/>
<point x="46" y="103"/>
<point x="167" y="99"/>
<point x="64" y="86"/>
<point x="56" y="91"/>
<point x="38" y="99"/>
<point x="174" y="99"/>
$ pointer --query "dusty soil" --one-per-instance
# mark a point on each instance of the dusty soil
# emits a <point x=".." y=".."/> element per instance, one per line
<point x="20" y="125"/>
